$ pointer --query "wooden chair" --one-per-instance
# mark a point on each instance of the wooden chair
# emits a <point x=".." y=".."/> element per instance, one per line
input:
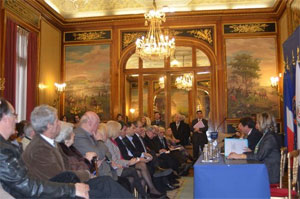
<point x="292" y="190"/>
<point x="283" y="153"/>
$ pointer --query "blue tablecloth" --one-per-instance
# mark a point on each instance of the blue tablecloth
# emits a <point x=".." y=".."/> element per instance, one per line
<point x="231" y="179"/>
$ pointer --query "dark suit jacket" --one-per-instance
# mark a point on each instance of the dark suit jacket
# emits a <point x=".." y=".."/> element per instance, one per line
<point x="132" y="148"/>
<point x="123" y="149"/>
<point x="182" y="133"/>
<point x="151" y="144"/>
<point x="253" y="138"/>
<point x="269" y="153"/>
<point x="159" y="123"/>
<point x="138" y="144"/>
<point x="159" y="144"/>
<point x="203" y="130"/>
<point x="45" y="161"/>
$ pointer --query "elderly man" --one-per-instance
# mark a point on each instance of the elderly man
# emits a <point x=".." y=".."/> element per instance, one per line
<point x="42" y="153"/>
<point x="13" y="173"/>
<point x="85" y="142"/>
<point x="46" y="160"/>
<point x="180" y="129"/>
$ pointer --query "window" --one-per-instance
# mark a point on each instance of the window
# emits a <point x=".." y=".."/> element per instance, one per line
<point x="21" y="73"/>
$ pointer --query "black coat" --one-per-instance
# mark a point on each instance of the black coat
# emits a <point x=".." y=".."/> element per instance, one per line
<point x="182" y="133"/>
<point x="131" y="147"/>
<point x="203" y="130"/>
<point x="123" y="149"/>
<point x="15" y="180"/>
<point x="253" y="138"/>
<point x="269" y="153"/>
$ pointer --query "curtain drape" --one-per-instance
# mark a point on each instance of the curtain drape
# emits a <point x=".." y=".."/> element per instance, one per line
<point x="10" y="61"/>
<point x="31" y="73"/>
<point x="21" y="73"/>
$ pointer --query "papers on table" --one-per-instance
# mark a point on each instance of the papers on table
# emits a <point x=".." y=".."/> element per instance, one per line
<point x="235" y="145"/>
<point x="199" y="125"/>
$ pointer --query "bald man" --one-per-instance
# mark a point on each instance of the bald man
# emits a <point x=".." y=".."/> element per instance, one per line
<point x="85" y="142"/>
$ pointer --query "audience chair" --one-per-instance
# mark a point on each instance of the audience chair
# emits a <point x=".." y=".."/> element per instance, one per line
<point x="283" y="153"/>
<point x="292" y="190"/>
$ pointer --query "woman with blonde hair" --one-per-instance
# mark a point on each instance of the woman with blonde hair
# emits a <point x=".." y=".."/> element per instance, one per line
<point x="104" y="133"/>
<point x="113" y="131"/>
<point x="267" y="149"/>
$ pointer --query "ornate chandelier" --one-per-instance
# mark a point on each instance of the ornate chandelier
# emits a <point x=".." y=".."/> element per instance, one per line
<point x="184" y="82"/>
<point x="155" y="45"/>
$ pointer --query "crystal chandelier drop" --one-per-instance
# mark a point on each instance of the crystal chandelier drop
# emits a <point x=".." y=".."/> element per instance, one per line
<point x="184" y="82"/>
<point x="155" y="45"/>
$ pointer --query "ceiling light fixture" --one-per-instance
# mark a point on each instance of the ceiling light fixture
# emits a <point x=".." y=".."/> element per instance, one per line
<point x="155" y="45"/>
<point x="184" y="82"/>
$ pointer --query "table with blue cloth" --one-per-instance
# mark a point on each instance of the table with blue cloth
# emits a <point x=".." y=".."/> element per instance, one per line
<point x="231" y="179"/>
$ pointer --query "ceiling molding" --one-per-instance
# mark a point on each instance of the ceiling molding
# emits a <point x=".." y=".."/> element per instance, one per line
<point x="63" y="23"/>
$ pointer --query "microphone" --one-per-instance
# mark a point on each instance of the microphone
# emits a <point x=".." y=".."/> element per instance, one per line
<point x="221" y="123"/>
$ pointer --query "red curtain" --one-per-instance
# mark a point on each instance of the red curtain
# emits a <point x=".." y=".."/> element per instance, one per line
<point x="10" y="62"/>
<point x="31" y="73"/>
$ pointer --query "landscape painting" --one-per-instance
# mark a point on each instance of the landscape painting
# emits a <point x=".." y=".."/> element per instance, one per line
<point x="250" y="64"/>
<point x="87" y="72"/>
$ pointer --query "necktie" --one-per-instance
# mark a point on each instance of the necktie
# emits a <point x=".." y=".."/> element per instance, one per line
<point x="163" y="143"/>
<point x="143" y="144"/>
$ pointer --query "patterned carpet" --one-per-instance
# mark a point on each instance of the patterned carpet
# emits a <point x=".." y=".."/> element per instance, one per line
<point x="185" y="191"/>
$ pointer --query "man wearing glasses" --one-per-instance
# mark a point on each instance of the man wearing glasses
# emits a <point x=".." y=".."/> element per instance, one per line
<point x="13" y="173"/>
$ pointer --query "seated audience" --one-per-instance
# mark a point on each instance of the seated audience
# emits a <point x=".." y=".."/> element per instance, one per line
<point x="267" y="149"/>
<point x="126" y="168"/>
<point x="85" y="141"/>
<point x="76" y="161"/>
<point x="46" y="160"/>
<point x="118" y="136"/>
<point x="14" y="176"/>
<point x="173" y="143"/>
<point x="29" y="134"/>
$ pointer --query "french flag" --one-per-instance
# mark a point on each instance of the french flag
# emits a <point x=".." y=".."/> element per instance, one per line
<point x="298" y="103"/>
<point x="289" y="94"/>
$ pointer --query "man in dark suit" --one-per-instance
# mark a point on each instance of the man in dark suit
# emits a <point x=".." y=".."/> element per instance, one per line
<point x="158" y="121"/>
<point x="180" y="129"/>
<point x="247" y="127"/>
<point x="199" y="138"/>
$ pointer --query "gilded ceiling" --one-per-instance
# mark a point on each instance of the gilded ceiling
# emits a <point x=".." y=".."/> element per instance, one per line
<point x="91" y="8"/>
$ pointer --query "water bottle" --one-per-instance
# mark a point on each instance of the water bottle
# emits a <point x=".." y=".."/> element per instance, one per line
<point x="205" y="153"/>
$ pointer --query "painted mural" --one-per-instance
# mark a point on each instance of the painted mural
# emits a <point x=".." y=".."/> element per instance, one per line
<point x="250" y="64"/>
<point x="87" y="72"/>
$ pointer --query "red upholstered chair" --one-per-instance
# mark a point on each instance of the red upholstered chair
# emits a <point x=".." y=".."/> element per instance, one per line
<point x="283" y="153"/>
<point x="291" y="191"/>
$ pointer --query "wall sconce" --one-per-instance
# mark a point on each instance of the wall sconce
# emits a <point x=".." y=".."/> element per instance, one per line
<point x="275" y="86"/>
<point x="42" y="86"/>
<point x="59" y="88"/>
<point x="132" y="110"/>
<point x="274" y="81"/>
